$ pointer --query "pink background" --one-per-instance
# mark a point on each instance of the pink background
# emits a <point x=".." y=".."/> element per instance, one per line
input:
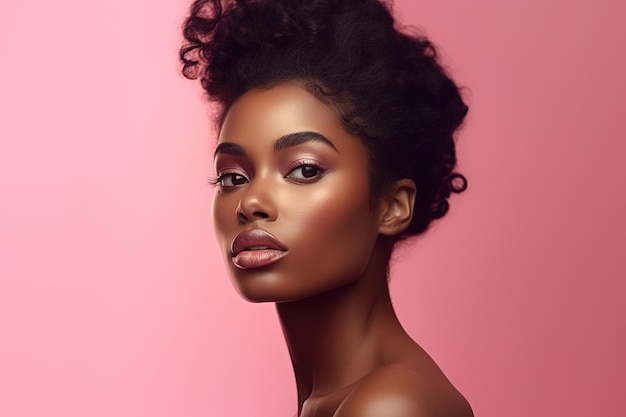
<point x="113" y="299"/>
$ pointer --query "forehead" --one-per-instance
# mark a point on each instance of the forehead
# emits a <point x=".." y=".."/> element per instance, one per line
<point x="284" y="109"/>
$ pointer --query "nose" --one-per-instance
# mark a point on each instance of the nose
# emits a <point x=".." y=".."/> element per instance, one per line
<point x="257" y="203"/>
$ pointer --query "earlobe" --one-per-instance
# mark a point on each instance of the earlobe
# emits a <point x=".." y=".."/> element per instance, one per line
<point x="397" y="207"/>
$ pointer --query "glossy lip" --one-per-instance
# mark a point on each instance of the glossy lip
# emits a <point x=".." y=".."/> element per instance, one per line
<point x="255" y="249"/>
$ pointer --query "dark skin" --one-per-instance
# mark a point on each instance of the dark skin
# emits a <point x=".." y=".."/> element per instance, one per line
<point x="288" y="168"/>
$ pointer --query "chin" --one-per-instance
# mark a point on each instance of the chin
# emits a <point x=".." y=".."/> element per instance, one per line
<point x="270" y="288"/>
<point x="266" y="296"/>
<point x="258" y="287"/>
<point x="262" y="290"/>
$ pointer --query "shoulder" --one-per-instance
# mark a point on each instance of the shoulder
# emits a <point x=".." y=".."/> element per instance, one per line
<point x="398" y="391"/>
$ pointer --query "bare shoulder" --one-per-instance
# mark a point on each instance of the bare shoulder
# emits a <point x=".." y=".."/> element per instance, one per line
<point x="398" y="391"/>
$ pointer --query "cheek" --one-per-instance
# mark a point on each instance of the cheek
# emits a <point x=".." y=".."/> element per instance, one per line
<point x="334" y="231"/>
<point x="223" y="214"/>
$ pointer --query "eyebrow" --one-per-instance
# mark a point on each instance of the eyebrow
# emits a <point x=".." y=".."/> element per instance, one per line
<point x="229" y="148"/>
<point x="284" y="142"/>
<point x="298" y="138"/>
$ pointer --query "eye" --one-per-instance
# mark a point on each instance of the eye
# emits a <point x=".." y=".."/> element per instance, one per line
<point x="230" y="179"/>
<point x="306" y="172"/>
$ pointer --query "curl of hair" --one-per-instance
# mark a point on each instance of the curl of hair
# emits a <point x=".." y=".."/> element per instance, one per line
<point x="386" y="85"/>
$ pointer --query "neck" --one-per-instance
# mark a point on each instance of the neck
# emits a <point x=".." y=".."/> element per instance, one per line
<point x="338" y="337"/>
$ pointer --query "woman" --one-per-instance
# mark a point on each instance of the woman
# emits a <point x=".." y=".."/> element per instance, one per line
<point x="335" y="144"/>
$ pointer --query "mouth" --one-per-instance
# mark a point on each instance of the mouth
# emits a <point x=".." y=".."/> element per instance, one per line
<point x="255" y="249"/>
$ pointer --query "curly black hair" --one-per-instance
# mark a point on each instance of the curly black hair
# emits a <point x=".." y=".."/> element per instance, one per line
<point x="386" y="84"/>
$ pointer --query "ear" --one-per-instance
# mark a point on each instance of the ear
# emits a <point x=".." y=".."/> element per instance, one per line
<point x="396" y="207"/>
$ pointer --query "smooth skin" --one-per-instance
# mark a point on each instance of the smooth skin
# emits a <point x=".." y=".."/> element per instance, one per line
<point x="286" y="165"/>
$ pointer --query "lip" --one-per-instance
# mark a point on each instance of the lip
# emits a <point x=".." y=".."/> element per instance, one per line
<point x="255" y="249"/>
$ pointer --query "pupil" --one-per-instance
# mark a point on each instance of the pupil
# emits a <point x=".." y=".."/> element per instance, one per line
<point x="309" y="171"/>
<point x="238" y="179"/>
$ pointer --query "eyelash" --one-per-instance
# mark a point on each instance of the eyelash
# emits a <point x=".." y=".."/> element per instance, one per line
<point x="217" y="181"/>
<point x="306" y="163"/>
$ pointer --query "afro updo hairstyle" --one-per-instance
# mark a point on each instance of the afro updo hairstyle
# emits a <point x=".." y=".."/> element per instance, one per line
<point x="387" y="86"/>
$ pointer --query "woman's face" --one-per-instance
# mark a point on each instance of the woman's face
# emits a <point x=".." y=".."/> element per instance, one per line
<point x="292" y="210"/>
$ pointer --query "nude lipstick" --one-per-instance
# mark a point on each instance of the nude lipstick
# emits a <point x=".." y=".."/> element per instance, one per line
<point x="255" y="249"/>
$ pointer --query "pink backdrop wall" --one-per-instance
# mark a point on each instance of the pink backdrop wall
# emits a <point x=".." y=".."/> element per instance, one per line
<point x="113" y="299"/>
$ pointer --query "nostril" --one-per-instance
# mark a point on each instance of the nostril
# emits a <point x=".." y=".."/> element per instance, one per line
<point x="242" y="217"/>
<point x="261" y="214"/>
